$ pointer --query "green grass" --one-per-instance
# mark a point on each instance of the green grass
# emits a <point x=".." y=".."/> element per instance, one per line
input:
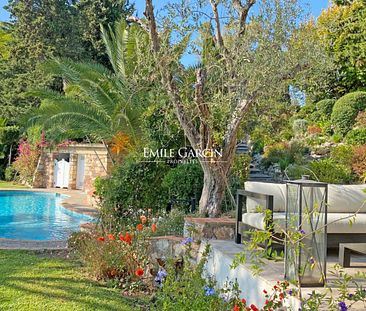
<point x="11" y="185"/>
<point x="34" y="281"/>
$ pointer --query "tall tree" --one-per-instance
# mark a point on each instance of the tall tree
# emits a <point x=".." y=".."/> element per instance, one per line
<point x="93" y="14"/>
<point x="252" y="58"/>
<point x="39" y="30"/>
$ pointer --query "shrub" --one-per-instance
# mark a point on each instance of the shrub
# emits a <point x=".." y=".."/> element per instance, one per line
<point x="10" y="173"/>
<point x="133" y="186"/>
<point x="325" y="107"/>
<point x="171" y="223"/>
<point x="361" y="120"/>
<point x="359" y="161"/>
<point x="356" y="136"/>
<point x="240" y="168"/>
<point x="346" y="110"/>
<point x="25" y="163"/>
<point x="285" y="154"/>
<point x="118" y="256"/>
<point x="342" y="154"/>
<point x="184" y="181"/>
<point x="314" y="130"/>
<point x="299" y="127"/>
<point x="327" y="170"/>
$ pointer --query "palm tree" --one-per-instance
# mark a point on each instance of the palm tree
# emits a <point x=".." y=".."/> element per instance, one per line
<point x="97" y="103"/>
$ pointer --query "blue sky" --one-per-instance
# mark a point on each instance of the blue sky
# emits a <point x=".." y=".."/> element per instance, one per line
<point x="315" y="5"/>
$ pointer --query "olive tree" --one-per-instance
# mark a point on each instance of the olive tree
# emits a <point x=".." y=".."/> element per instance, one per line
<point x="248" y="53"/>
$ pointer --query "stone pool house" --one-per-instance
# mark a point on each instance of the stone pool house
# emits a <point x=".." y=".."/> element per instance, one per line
<point x="75" y="166"/>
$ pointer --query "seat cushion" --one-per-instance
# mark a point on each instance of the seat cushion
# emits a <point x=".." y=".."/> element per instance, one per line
<point x="256" y="220"/>
<point x="337" y="223"/>
<point x="277" y="190"/>
<point x="346" y="198"/>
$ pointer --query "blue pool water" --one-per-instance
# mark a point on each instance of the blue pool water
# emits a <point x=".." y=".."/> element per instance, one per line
<point x="26" y="215"/>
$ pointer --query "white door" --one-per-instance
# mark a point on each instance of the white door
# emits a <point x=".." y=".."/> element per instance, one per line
<point x="62" y="172"/>
<point x="80" y="173"/>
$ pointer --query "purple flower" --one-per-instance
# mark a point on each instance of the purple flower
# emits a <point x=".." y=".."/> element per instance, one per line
<point x="302" y="231"/>
<point x="350" y="296"/>
<point x="290" y="292"/>
<point x="342" y="306"/>
<point x="312" y="260"/>
<point x="162" y="274"/>
<point x="209" y="291"/>
<point x="186" y="241"/>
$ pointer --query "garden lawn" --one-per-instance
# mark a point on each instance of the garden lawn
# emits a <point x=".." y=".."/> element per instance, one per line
<point x="11" y="185"/>
<point x="36" y="281"/>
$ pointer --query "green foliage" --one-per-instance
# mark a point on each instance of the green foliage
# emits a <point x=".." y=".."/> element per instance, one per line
<point x="325" y="108"/>
<point x="342" y="154"/>
<point x="329" y="171"/>
<point x="132" y="186"/>
<point x="10" y="173"/>
<point x="346" y="110"/>
<point x="356" y="136"/>
<point x="285" y="154"/>
<point x="300" y="127"/>
<point x="184" y="181"/>
<point x="96" y="13"/>
<point x="184" y="289"/>
<point x="171" y="223"/>
<point x="240" y="168"/>
<point x="342" y="32"/>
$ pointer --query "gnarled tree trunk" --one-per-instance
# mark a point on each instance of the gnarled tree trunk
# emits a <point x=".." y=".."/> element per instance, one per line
<point x="214" y="185"/>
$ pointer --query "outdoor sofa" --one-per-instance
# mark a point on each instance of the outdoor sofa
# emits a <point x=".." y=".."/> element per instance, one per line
<point x="343" y="202"/>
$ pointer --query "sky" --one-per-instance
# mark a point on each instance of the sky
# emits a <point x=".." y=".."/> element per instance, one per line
<point x="316" y="7"/>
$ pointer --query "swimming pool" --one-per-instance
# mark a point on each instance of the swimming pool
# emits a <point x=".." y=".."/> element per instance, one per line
<point x="27" y="215"/>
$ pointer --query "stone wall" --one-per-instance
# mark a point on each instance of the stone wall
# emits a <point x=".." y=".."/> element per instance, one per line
<point x="97" y="163"/>
<point x="209" y="228"/>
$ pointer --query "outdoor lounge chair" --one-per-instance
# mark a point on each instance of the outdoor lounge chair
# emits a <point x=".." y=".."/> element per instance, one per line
<point x="343" y="202"/>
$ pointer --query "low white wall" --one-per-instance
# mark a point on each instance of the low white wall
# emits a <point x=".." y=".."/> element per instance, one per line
<point x="251" y="286"/>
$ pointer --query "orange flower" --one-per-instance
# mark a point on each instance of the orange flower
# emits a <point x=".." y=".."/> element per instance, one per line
<point x="128" y="238"/>
<point x="153" y="228"/>
<point x="143" y="219"/>
<point x="122" y="238"/>
<point x="101" y="238"/>
<point x="236" y="308"/>
<point x="139" y="272"/>
<point x="140" y="227"/>
<point x="111" y="237"/>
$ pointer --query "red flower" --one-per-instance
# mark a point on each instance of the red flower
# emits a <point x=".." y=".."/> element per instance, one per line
<point x="254" y="308"/>
<point x="236" y="308"/>
<point x="139" y="272"/>
<point x="111" y="237"/>
<point x="140" y="227"/>
<point x="128" y="238"/>
<point x="266" y="302"/>
<point x="264" y="291"/>
<point x="122" y="238"/>
<point x="275" y="287"/>
<point x="153" y="228"/>
<point x="101" y="238"/>
<point x="281" y="295"/>
<point x="243" y="301"/>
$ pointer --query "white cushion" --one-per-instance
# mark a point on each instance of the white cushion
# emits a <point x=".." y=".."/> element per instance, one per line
<point x="343" y="225"/>
<point x="256" y="220"/>
<point x="337" y="222"/>
<point x="346" y="198"/>
<point x="277" y="190"/>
